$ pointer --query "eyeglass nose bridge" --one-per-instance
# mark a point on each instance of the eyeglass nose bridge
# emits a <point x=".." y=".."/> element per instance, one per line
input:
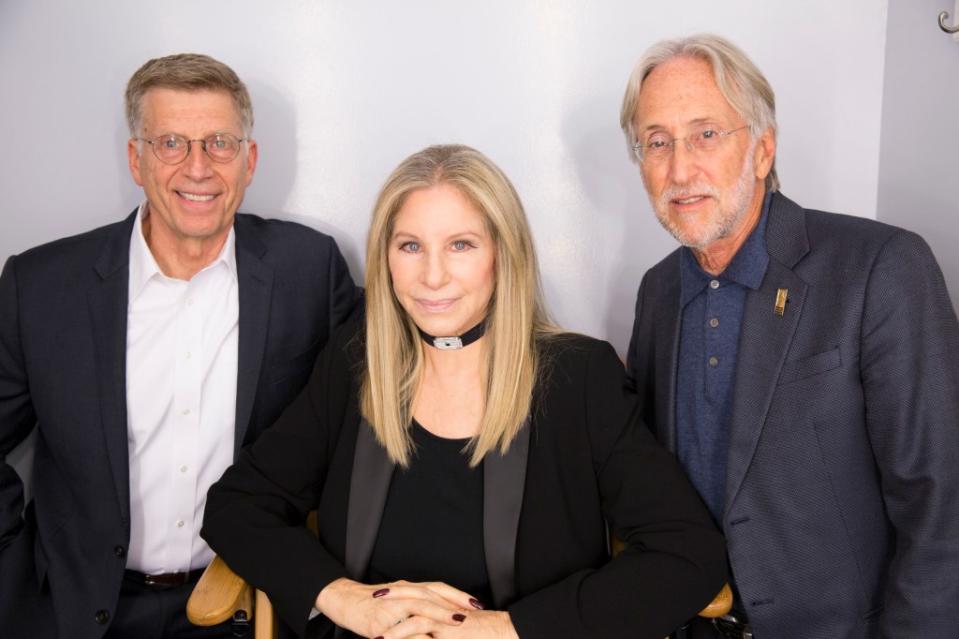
<point x="686" y="142"/>
<point x="189" y="148"/>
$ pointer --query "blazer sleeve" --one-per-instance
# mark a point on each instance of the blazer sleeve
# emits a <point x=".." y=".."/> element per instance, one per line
<point x="675" y="560"/>
<point x="255" y="514"/>
<point x="17" y="416"/>
<point x="910" y="377"/>
<point x="344" y="294"/>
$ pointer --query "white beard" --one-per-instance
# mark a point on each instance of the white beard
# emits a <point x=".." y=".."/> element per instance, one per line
<point x="717" y="226"/>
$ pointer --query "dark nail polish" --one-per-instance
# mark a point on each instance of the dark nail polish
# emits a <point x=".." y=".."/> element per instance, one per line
<point x="379" y="593"/>
<point x="380" y="637"/>
<point x="477" y="604"/>
<point x="460" y="618"/>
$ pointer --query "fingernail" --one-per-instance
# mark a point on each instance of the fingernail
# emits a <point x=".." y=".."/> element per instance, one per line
<point x="379" y="593"/>
<point x="459" y="618"/>
<point x="380" y="637"/>
<point x="477" y="604"/>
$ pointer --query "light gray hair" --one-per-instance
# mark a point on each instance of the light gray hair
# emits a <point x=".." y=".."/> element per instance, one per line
<point x="737" y="77"/>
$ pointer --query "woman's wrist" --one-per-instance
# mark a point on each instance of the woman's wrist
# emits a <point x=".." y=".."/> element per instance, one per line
<point x="506" y="625"/>
<point x="327" y="599"/>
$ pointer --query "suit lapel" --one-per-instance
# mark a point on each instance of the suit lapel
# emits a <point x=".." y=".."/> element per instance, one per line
<point x="504" y="482"/>
<point x="107" y="301"/>
<point x="667" y="333"/>
<point x="765" y="337"/>
<point x="255" y="293"/>
<point x="369" y="485"/>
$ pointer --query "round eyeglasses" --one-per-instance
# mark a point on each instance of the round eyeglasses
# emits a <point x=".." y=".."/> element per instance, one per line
<point x="659" y="146"/>
<point x="173" y="149"/>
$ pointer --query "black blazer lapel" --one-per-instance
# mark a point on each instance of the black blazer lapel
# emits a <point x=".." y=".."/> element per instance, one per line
<point x="765" y="337"/>
<point x="108" y="299"/>
<point x="255" y="293"/>
<point x="369" y="486"/>
<point x="504" y="482"/>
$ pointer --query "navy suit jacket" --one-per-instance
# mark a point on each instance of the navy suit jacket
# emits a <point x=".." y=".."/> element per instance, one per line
<point x="63" y="316"/>
<point x="842" y="490"/>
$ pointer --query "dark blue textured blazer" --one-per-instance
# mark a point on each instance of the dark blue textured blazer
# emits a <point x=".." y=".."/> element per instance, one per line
<point x="842" y="491"/>
<point x="63" y="313"/>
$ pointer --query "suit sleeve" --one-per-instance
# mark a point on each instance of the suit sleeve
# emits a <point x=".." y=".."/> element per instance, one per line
<point x="17" y="416"/>
<point x="674" y="562"/>
<point x="255" y="514"/>
<point x="344" y="294"/>
<point x="910" y="376"/>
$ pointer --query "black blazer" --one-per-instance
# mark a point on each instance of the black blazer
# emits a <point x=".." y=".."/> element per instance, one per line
<point x="842" y="488"/>
<point x="63" y="312"/>
<point x="580" y="461"/>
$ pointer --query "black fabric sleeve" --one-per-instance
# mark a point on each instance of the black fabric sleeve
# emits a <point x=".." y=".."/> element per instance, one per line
<point x="255" y="514"/>
<point x="674" y="562"/>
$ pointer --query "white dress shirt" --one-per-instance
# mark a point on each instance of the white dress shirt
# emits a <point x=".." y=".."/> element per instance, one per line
<point x="181" y="402"/>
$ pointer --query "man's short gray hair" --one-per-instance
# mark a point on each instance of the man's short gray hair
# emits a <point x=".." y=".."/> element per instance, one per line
<point x="738" y="78"/>
<point x="186" y="72"/>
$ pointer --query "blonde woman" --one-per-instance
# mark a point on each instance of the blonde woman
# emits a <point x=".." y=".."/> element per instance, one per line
<point x="464" y="455"/>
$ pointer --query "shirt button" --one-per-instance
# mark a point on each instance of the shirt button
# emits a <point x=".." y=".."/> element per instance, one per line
<point x="179" y="523"/>
<point x="713" y="361"/>
<point x="183" y="468"/>
<point x="714" y="322"/>
<point x="189" y="354"/>
<point x="120" y="551"/>
<point x="713" y="283"/>
<point x="102" y="617"/>
<point x="186" y="411"/>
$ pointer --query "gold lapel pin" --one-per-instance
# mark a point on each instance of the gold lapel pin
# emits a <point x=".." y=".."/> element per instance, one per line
<point x="782" y="295"/>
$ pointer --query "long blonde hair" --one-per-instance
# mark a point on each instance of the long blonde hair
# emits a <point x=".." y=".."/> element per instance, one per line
<point x="516" y="318"/>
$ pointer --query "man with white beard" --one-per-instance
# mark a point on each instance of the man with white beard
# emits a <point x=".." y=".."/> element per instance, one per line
<point x="802" y="366"/>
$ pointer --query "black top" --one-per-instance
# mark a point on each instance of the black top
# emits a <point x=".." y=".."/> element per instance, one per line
<point x="432" y="525"/>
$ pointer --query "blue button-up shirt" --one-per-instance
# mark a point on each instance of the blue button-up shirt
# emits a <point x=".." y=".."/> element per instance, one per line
<point x="712" y="313"/>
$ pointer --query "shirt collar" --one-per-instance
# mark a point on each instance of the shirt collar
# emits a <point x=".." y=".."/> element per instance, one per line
<point x="747" y="268"/>
<point x="144" y="267"/>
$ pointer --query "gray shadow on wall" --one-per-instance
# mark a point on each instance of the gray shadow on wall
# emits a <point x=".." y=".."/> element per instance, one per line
<point x="634" y="239"/>
<point x="275" y="130"/>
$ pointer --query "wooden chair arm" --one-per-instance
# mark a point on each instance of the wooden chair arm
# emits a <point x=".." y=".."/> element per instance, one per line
<point x="720" y="605"/>
<point x="218" y="595"/>
<point x="221" y="593"/>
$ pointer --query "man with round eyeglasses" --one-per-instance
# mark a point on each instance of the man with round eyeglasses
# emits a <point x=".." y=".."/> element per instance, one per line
<point x="146" y="353"/>
<point x="802" y="365"/>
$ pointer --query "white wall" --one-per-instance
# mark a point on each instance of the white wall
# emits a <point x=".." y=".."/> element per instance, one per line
<point x="919" y="161"/>
<point x="344" y="90"/>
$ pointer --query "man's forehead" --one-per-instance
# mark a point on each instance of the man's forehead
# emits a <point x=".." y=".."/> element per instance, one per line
<point x="164" y="106"/>
<point x="680" y="91"/>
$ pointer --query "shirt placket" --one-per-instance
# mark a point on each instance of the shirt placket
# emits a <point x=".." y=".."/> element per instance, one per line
<point x="712" y="343"/>
<point x="186" y="402"/>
